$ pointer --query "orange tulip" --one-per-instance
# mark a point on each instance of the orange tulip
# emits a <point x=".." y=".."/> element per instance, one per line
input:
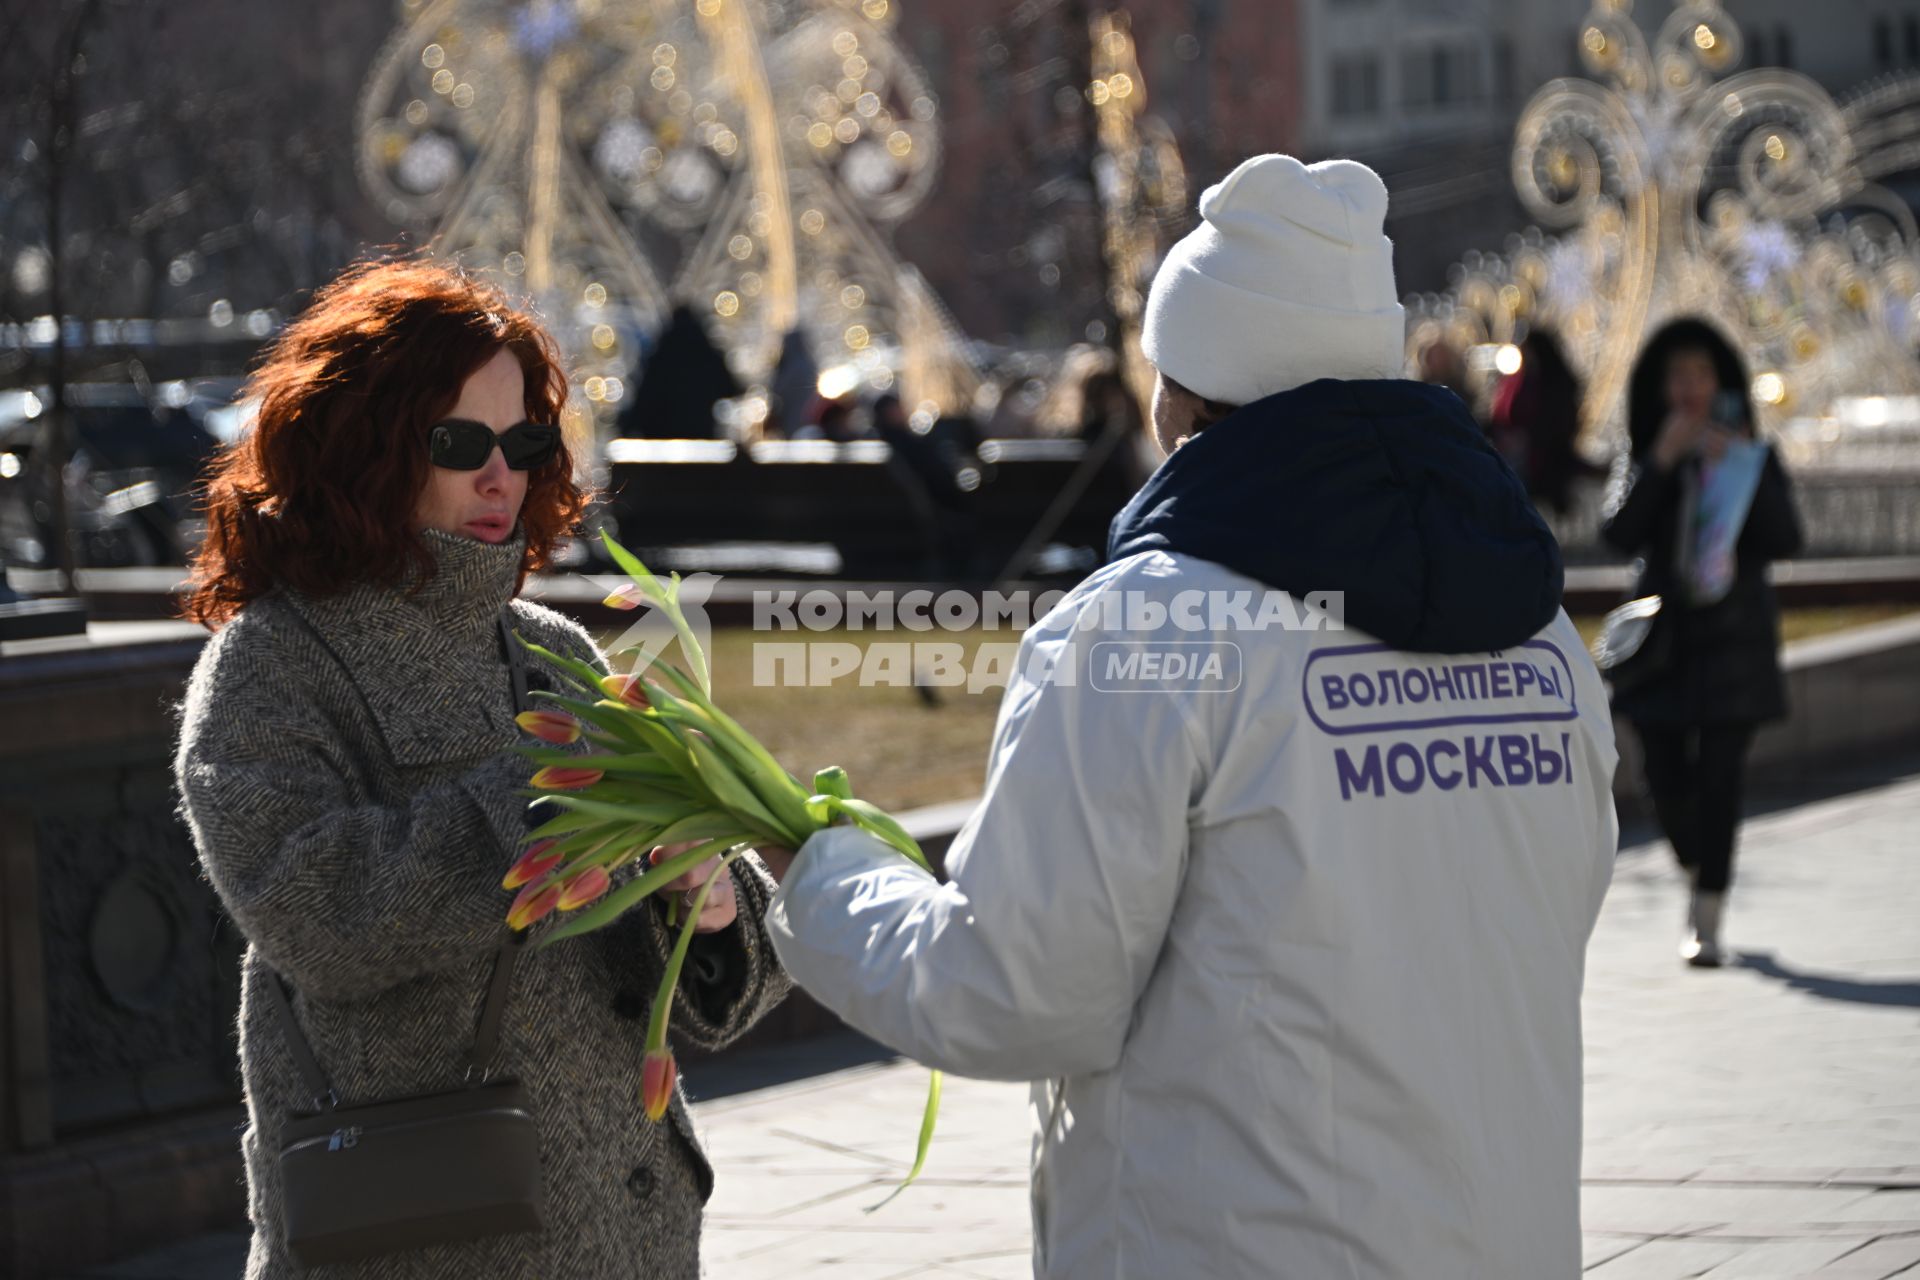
<point x="535" y="901"/>
<point x="628" y="689"/>
<point x="626" y="597"/>
<point x="579" y="890"/>
<point x="556" y="727"/>
<point x="533" y="864"/>
<point x="657" y="1072"/>
<point x="562" y="778"/>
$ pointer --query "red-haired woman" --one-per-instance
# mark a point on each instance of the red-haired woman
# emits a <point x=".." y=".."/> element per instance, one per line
<point x="345" y="765"/>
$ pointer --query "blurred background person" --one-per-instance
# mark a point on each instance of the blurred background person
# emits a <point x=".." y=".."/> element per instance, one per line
<point x="934" y="464"/>
<point x="1710" y="673"/>
<point x="1536" y="419"/>
<point x="1090" y="402"/>
<point x="831" y="420"/>
<point x="683" y="379"/>
<point x="1441" y="365"/>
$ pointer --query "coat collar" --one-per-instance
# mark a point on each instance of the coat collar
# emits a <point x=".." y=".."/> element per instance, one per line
<point x="426" y="659"/>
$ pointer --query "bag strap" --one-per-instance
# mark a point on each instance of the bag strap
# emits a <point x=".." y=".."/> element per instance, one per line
<point x="486" y="1035"/>
<point x="315" y="1080"/>
<point x="516" y="662"/>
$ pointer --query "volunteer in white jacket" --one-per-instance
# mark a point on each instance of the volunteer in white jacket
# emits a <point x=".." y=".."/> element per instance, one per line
<point x="1287" y="921"/>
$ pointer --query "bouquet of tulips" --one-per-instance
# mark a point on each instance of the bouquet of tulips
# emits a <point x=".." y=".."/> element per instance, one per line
<point x="669" y="768"/>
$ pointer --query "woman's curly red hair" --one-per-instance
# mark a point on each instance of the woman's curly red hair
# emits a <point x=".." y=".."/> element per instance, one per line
<point x="320" y="493"/>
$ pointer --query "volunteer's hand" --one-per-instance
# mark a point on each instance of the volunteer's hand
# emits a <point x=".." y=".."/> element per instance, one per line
<point x="721" y="909"/>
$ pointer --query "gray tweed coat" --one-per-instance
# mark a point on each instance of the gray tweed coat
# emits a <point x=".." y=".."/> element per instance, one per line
<point x="354" y="805"/>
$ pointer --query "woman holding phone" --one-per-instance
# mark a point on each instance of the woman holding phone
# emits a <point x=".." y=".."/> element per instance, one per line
<point x="1706" y="507"/>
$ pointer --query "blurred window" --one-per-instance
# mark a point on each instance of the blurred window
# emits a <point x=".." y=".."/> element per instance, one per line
<point x="1356" y="86"/>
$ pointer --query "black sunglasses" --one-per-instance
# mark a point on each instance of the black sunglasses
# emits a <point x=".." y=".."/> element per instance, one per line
<point x="460" y="445"/>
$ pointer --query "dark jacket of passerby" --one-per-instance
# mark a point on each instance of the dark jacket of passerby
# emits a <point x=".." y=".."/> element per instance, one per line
<point x="1723" y="664"/>
<point x="683" y="379"/>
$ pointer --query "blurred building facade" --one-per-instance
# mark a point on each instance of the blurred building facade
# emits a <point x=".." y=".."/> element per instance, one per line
<point x="214" y="161"/>
<point x="1010" y="238"/>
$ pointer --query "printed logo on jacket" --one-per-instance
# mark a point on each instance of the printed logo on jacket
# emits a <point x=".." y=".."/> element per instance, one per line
<point x="1399" y="724"/>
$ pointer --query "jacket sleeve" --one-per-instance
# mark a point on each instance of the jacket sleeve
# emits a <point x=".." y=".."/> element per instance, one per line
<point x="344" y="899"/>
<point x="732" y="978"/>
<point x="1638" y="505"/>
<point x="1773" y="528"/>
<point x="1029" y="962"/>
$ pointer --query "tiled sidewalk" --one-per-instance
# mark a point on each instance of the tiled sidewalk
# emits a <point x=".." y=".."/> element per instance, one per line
<point x="1760" y="1121"/>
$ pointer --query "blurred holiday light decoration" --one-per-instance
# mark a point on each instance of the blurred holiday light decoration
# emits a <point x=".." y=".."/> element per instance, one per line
<point x="1687" y="188"/>
<point x="609" y="157"/>
<point x="1141" y="181"/>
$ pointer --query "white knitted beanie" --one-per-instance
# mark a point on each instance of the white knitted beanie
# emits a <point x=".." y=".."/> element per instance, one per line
<point x="1288" y="278"/>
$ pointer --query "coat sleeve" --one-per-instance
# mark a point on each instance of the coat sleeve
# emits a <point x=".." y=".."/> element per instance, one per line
<point x="732" y="978"/>
<point x="1773" y="528"/>
<point x="1029" y="962"/>
<point x="344" y="899"/>
<point x="1638" y="505"/>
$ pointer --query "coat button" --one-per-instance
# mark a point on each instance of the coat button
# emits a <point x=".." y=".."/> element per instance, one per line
<point x="640" y="1182"/>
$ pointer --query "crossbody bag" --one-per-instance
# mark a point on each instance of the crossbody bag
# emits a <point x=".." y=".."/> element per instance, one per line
<point x="407" y="1173"/>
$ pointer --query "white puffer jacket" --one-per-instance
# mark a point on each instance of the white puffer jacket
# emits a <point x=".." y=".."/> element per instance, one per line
<point x="1295" y="953"/>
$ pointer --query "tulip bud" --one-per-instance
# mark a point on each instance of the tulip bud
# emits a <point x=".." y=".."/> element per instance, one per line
<point x="533" y="864"/>
<point x="625" y="597"/>
<point x="535" y="901"/>
<point x="628" y="689"/>
<point x="657" y="1072"/>
<point x="584" y="888"/>
<point x="556" y="727"/>
<point x="562" y="778"/>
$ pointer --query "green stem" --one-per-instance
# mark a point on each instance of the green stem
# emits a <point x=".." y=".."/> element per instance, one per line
<point x="670" y="981"/>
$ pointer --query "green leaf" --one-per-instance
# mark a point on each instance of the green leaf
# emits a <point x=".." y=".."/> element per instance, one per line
<point x="665" y="743"/>
<point x="773" y="786"/>
<point x="588" y="837"/>
<point x="581" y="673"/>
<point x="710" y="825"/>
<point x="659" y="813"/>
<point x="927" y="1117"/>
<point x="560" y="825"/>
<point x="736" y="795"/>
<point x="878" y="822"/>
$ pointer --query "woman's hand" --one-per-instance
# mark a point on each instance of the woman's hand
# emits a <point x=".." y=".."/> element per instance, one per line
<point x="721" y="908"/>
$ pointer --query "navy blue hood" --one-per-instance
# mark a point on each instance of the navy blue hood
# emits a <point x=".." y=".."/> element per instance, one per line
<point x="1387" y="491"/>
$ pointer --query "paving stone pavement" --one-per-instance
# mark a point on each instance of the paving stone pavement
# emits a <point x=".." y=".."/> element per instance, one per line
<point x="1762" y="1121"/>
